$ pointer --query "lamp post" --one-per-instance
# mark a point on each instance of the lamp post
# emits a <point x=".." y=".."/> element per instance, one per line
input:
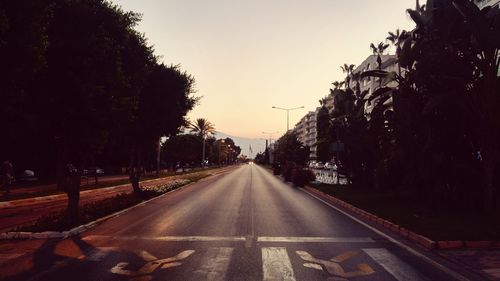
<point x="288" y="114"/>
<point x="220" y="149"/>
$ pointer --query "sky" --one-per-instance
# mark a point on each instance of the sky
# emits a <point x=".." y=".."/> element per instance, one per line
<point x="250" y="55"/>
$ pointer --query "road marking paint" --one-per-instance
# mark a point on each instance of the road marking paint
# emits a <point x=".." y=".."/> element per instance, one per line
<point x="173" y="238"/>
<point x="441" y="267"/>
<point x="313" y="266"/>
<point x="276" y="265"/>
<point x="214" y="265"/>
<point x="333" y="266"/>
<point x="392" y="264"/>
<point x="316" y="239"/>
<point x="152" y="264"/>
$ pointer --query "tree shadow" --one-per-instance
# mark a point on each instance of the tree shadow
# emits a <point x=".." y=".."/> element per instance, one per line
<point x="48" y="264"/>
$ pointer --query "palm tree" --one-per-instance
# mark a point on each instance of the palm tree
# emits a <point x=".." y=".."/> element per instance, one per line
<point x="397" y="39"/>
<point x="379" y="50"/>
<point x="337" y="85"/>
<point x="202" y="127"/>
<point x="348" y="69"/>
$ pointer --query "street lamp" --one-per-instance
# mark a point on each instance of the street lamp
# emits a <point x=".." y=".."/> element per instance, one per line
<point x="220" y="149"/>
<point x="288" y="114"/>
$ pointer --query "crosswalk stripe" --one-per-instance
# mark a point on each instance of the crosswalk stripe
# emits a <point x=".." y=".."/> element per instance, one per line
<point x="316" y="239"/>
<point x="392" y="264"/>
<point x="214" y="265"/>
<point x="276" y="265"/>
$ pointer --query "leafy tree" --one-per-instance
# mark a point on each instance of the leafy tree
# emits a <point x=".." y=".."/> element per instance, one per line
<point x="289" y="149"/>
<point x="324" y="141"/>
<point x="157" y="115"/>
<point x="181" y="149"/>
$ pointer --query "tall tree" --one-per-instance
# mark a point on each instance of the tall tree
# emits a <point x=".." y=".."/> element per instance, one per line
<point x="323" y="135"/>
<point x="161" y="109"/>
<point x="203" y="128"/>
<point x="347" y="69"/>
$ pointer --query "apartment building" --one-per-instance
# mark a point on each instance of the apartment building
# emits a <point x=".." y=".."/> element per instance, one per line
<point x="370" y="84"/>
<point x="307" y="133"/>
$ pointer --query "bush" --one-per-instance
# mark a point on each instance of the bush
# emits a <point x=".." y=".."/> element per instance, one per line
<point x="276" y="168"/>
<point x="287" y="170"/>
<point x="302" y="176"/>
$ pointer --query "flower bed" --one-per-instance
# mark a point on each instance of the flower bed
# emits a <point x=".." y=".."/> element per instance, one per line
<point x="95" y="210"/>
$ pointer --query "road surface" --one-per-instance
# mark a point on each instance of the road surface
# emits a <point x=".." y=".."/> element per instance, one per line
<point x="243" y="225"/>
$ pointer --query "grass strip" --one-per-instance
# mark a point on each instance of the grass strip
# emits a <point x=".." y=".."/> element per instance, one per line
<point x="438" y="225"/>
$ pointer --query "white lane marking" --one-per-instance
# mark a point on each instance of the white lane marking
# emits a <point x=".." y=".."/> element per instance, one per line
<point x="276" y="265"/>
<point x="173" y="238"/>
<point x="214" y="265"/>
<point x="441" y="267"/>
<point x="316" y="239"/>
<point x="392" y="264"/>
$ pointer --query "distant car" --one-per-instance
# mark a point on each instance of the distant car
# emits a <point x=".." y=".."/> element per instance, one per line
<point x="96" y="171"/>
<point x="319" y="165"/>
<point x="26" y="175"/>
<point x="311" y="164"/>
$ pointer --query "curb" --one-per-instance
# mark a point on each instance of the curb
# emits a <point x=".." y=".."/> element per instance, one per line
<point x="79" y="229"/>
<point x="421" y="240"/>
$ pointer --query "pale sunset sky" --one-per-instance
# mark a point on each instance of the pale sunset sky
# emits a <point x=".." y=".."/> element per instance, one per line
<point x="250" y="55"/>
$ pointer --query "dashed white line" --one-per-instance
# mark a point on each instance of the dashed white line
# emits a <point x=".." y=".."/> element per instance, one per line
<point x="276" y="265"/>
<point x="392" y="264"/>
<point x="172" y="238"/>
<point x="316" y="239"/>
<point x="214" y="265"/>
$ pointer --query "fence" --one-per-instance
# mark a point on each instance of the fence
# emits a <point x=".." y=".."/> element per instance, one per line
<point x="328" y="176"/>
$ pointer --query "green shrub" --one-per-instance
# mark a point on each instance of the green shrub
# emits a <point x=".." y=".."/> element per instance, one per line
<point x="287" y="171"/>
<point x="302" y="176"/>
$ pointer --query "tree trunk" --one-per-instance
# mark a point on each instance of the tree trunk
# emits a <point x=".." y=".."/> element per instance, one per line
<point x="73" y="193"/>
<point x="135" y="169"/>
<point x="489" y="165"/>
<point x="158" y="158"/>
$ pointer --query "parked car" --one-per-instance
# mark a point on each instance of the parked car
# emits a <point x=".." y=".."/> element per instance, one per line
<point x="329" y="166"/>
<point x="319" y="165"/>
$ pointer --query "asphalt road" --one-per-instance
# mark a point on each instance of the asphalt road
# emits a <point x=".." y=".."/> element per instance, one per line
<point x="243" y="225"/>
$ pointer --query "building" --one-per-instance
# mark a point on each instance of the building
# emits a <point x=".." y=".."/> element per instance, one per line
<point x="307" y="133"/>
<point x="483" y="3"/>
<point x="370" y="84"/>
